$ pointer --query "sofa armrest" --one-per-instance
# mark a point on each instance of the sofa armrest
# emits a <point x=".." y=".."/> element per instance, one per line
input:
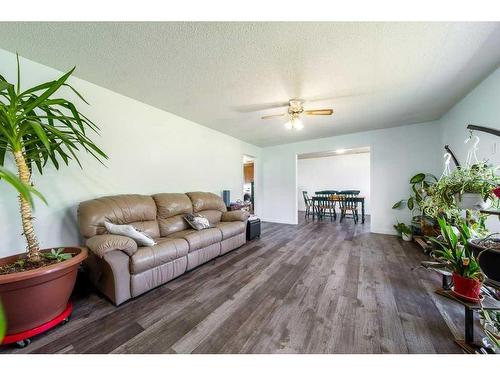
<point x="235" y="216"/>
<point x="104" y="243"/>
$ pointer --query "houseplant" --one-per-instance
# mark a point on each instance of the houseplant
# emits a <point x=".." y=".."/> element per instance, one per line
<point x="454" y="251"/>
<point x="422" y="186"/>
<point x="35" y="129"/>
<point x="404" y="231"/>
<point x="468" y="187"/>
<point x="490" y="321"/>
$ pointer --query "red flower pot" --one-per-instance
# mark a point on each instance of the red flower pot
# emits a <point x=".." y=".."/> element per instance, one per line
<point x="496" y="191"/>
<point x="469" y="288"/>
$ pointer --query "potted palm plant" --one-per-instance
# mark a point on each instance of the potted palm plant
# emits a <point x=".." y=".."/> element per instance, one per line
<point x="454" y="250"/>
<point x="36" y="130"/>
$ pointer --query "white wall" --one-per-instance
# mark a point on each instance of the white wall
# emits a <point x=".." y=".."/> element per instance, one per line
<point x="149" y="151"/>
<point x="480" y="107"/>
<point x="338" y="172"/>
<point x="396" y="155"/>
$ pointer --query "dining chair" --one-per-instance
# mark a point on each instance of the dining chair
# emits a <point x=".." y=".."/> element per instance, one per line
<point x="348" y="205"/>
<point x="308" y="204"/>
<point x="325" y="205"/>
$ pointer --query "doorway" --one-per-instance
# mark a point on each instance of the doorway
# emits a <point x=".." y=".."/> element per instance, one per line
<point x="249" y="182"/>
<point x="341" y="170"/>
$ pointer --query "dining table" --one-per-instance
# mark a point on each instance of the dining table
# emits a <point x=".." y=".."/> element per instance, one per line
<point x="317" y="199"/>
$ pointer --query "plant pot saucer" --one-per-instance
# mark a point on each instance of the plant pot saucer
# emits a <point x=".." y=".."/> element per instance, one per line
<point x="467" y="298"/>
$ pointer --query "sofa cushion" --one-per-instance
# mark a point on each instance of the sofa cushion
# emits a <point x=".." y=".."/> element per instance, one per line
<point x="238" y="215"/>
<point x="171" y="204"/>
<point x="136" y="210"/>
<point x="203" y="201"/>
<point x="231" y="229"/>
<point x="165" y="250"/>
<point x="198" y="239"/>
<point x="171" y="210"/>
<point x="213" y="216"/>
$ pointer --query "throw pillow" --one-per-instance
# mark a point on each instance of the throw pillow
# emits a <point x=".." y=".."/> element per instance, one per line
<point x="197" y="221"/>
<point x="141" y="238"/>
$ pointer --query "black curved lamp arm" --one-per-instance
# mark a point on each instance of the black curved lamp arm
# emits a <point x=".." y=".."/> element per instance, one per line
<point x="455" y="160"/>
<point x="484" y="129"/>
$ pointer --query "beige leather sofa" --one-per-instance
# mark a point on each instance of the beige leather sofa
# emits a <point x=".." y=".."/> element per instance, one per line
<point x="122" y="270"/>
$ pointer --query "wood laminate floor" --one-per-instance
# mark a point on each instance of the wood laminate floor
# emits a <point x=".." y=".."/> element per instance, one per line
<point x="308" y="288"/>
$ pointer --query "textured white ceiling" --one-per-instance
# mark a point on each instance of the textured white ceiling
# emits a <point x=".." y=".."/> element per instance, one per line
<point x="376" y="75"/>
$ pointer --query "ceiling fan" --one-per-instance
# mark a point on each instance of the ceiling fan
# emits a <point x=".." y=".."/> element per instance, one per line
<point x="295" y="110"/>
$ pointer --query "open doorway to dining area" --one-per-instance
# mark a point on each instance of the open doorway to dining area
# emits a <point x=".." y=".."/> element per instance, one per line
<point x="334" y="185"/>
<point x="249" y="183"/>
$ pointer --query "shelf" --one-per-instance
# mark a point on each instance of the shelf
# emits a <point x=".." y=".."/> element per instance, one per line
<point x="490" y="212"/>
<point x="424" y="245"/>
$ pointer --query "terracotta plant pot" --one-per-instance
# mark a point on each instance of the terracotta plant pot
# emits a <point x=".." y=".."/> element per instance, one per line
<point x="466" y="287"/>
<point x="35" y="297"/>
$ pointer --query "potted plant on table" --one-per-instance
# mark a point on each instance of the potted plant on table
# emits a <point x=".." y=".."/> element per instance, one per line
<point x="453" y="249"/>
<point x="35" y="129"/>
<point x="404" y="231"/>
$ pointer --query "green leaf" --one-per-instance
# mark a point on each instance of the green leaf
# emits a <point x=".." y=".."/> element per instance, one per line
<point x="76" y="92"/>
<point x="398" y="205"/>
<point x="26" y="191"/>
<point x="432" y="176"/>
<point x="417" y="178"/>
<point x="410" y="203"/>
<point x="52" y="88"/>
<point x="18" y="74"/>
<point x="4" y="85"/>
<point x="40" y="133"/>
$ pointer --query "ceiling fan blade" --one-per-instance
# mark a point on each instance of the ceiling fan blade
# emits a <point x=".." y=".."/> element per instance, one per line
<point x="272" y="116"/>
<point x="319" y="112"/>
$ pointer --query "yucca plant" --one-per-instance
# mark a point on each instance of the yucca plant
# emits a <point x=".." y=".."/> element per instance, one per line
<point x="35" y="128"/>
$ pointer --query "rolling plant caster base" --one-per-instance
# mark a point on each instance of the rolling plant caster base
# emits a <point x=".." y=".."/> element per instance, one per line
<point x="23" y="339"/>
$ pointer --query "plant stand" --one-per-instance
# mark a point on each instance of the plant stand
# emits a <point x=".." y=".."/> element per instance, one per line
<point x="22" y="339"/>
<point x="420" y="241"/>
<point x="468" y="344"/>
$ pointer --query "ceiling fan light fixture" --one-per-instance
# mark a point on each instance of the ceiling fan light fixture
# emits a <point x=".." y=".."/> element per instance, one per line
<point x="298" y="124"/>
<point x="294" y="123"/>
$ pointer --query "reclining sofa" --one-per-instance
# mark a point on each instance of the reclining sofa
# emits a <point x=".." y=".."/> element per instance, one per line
<point x="122" y="270"/>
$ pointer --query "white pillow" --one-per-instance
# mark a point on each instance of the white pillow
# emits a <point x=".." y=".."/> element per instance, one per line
<point x="129" y="231"/>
